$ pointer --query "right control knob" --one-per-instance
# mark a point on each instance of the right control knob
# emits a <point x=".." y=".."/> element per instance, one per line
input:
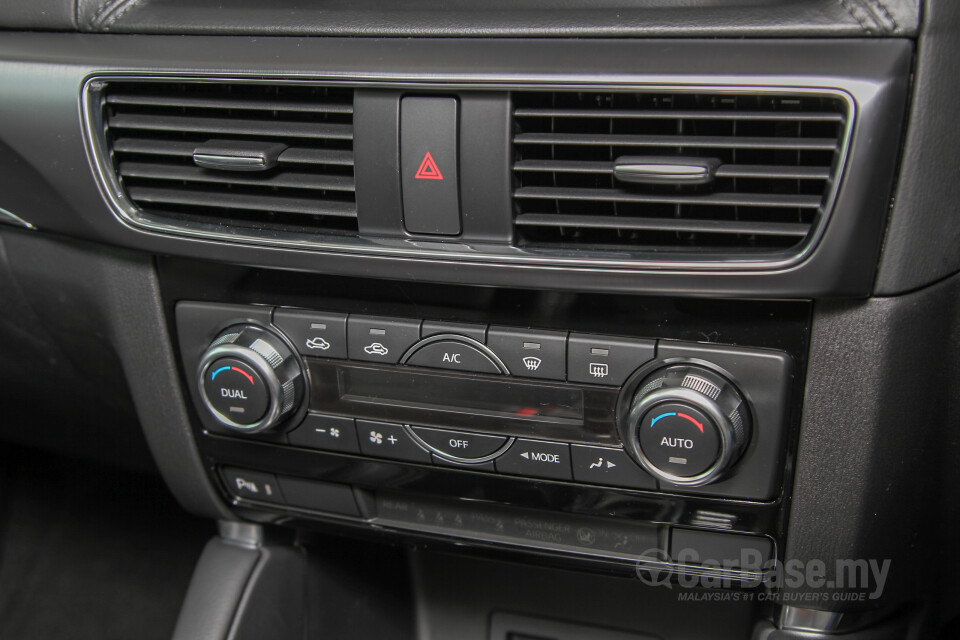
<point x="687" y="425"/>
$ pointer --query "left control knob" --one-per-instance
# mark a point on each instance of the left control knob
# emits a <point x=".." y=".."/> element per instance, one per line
<point x="250" y="380"/>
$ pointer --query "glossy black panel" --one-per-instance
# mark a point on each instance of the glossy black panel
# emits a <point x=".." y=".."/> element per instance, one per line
<point x="491" y="404"/>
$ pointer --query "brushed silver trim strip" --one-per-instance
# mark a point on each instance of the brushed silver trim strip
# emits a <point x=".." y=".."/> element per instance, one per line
<point x="13" y="219"/>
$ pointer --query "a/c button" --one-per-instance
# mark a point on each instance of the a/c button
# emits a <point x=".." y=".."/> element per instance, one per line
<point x="452" y="354"/>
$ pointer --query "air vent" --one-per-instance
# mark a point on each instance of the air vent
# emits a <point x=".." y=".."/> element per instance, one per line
<point x="233" y="155"/>
<point x="701" y="174"/>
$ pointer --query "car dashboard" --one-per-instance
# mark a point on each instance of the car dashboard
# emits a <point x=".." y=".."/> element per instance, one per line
<point x="554" y="320"/>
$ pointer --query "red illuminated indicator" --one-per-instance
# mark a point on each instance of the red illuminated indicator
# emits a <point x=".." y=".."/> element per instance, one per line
<point x="428" y="169"/>
<point x="699" y="424"/>
<point x="527" y="411"/>
<point x="250" y="377"/>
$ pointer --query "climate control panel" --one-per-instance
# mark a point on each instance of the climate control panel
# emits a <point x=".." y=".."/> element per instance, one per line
<point x="561" y="439"/>
<point x="630" y="412"/>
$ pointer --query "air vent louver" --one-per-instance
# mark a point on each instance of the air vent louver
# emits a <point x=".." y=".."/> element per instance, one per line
<point x="773" y="162"/>
<point x="153" y="129"/>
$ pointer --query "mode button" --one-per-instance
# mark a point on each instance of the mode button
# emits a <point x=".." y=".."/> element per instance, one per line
<point x="537" y="459"/>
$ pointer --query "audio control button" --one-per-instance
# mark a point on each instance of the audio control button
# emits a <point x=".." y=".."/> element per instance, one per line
<point x="452" y="354"/>
<point x="457" y="444"/>
<point x="536" y="459"/>
<point x="386" y="440"/>
<point x="608" y="466"/>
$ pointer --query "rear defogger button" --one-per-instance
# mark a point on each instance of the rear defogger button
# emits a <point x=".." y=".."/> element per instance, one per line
<point x="537" y="459"/>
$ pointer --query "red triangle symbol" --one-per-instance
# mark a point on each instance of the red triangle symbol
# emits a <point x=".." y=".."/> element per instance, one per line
<point x="428" y="169"/>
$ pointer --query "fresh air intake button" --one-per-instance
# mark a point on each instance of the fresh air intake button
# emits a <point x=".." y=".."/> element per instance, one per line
<point x="536" y="459"/>
<point x="605" y="360"/>
<point x="452" y="354"/>
<point x="530" y="353"/>
<point x="252" y="485"/>
<point x="608" y="466"/>
<point x="328" y="433"/>
<point x="386" y="440"/>
<point x="375" y="339"/>
<point x="323" y="335"/>
<point x="460" y="445"/>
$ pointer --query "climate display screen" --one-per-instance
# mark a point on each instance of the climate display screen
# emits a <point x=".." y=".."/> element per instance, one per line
<point x="508" y="398"/>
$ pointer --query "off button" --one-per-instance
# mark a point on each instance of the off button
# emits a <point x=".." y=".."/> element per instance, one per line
<point x="235" y="390"/>
<point x="458" y="445"/>
<point x="537" y="459"/>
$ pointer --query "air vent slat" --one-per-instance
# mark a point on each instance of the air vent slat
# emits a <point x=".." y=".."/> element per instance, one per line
<point x="282" y="204"/>
<point x="292" y="156"/>
<point x="702" y="142"/>
<point x="724" y="171"/>
<point x="195" y="174"/>
<point x="153" y="128"/>
<point x="685" y="175"/>
<point x="154" y="147"/>
<point x="316" y="156"/>
<point x="227" y="103"/>
<point x="789" y="173"/>
<point x="725" y="199"/>
<point x="680" y="114"/>
<point x="232" y="126"/>
<point x="666" y="224"/>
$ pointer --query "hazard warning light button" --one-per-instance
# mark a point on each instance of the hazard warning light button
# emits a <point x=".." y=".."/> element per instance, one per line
<point x="428" y="165"/>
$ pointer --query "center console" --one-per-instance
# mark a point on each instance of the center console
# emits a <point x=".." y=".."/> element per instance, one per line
<point x="636" y="449"/>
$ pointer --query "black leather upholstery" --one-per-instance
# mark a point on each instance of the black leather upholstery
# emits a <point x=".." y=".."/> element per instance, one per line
<point x="489" y="18"/>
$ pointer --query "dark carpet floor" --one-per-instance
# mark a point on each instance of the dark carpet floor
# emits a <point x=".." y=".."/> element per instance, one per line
<point x="90" y="552"/>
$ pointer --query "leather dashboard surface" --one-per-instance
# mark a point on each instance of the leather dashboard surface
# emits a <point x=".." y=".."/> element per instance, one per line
<point x="489" y="18"/>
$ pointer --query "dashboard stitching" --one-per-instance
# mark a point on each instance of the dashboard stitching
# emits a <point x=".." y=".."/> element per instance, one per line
<point x="110" y="12"/>
<point x="867" y="21"/>
<point x="884" y="14"/>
